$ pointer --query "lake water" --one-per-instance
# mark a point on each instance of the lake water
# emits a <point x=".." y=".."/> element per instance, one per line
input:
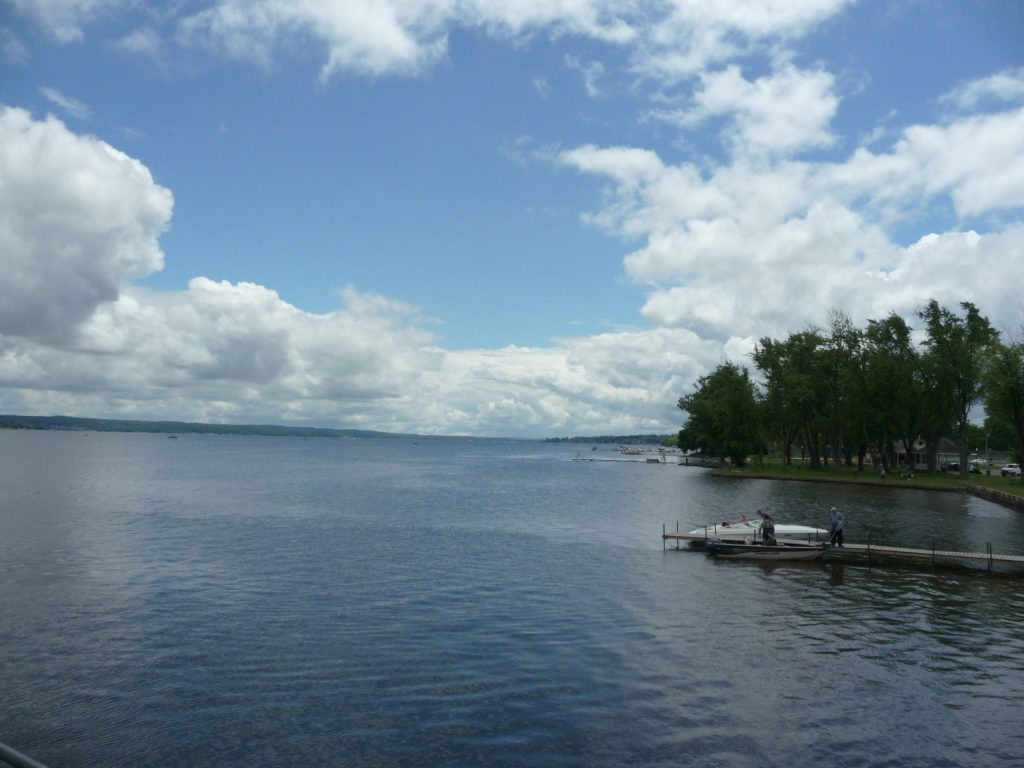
<point x="236" y="601"/>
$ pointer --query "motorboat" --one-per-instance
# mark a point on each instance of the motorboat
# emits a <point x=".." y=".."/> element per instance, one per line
<point x="765" y="552"/>
<point x="744" y="531"/>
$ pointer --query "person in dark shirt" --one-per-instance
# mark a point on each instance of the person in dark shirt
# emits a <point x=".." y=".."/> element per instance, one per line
<point x="767" y="528"/>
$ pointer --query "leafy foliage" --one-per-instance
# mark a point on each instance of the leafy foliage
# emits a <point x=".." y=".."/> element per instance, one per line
<point x="723" y="414"/>
<point x="844" y="393"/>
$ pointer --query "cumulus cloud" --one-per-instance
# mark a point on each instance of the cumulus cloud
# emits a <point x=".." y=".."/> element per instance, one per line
<point x="764" y="242"/>
<point x="77" y="219"/>
<point x="782" y="113"/>
<point x="79" y="223"/>
<point x="616" y="381"/>
<point x="237" y="352"/>
<point x="727" y="249"/>
<point x="977" y="160"/>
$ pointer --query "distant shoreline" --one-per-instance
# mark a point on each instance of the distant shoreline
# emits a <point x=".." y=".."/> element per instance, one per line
<point x="80" y="424"/>
<point x="83" y="424"/>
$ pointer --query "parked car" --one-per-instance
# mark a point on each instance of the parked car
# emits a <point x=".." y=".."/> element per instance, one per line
<point x="1010" y="470"/>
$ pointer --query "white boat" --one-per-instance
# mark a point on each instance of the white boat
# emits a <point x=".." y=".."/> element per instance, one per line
<point x="769" y="552"/>
<point x="749" y="532"/>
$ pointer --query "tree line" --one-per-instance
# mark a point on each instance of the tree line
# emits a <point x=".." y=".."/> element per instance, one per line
<point x="844" y="394"/>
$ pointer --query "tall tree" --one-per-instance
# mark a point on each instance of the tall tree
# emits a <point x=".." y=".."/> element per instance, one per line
<point x="838" y="358"/>
<point x="723" y="414"/>
<point x="959" y="346"/>
<point x="794" y="394"/>
<point x="1004" y="389"/>
<point x="781" y="419"/>
<point x="890" y="388"/>
<point x="807" y="393"/>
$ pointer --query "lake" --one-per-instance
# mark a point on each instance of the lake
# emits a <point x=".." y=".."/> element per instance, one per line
<point x="257" y="601"/>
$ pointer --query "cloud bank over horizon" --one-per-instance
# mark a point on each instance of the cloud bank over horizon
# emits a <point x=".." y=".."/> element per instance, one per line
<point x="786" y="222"/>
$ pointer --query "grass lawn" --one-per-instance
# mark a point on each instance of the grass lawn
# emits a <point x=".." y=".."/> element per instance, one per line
<point x="774" y="468"/>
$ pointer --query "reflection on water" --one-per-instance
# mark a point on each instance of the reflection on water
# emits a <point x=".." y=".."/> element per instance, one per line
<point x="261" y="601"/>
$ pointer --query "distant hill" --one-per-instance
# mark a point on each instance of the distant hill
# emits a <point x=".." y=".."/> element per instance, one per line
<point x="177" y="427"/>
<point x="617" y="439"/>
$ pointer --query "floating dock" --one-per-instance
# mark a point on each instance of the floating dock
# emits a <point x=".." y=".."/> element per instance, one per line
<point x="934" y="556"/>
<point x="869" y="551"/>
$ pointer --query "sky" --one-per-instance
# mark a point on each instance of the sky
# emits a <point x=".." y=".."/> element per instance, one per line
<point x="472" y="217"/>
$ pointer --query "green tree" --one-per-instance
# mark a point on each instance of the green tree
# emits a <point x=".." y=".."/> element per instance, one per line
<point x="796" y="394"/>
<point x="838" y="367"/>
<point x="1004" y="390"/>
<point x="890" y="391"/>
<point x="723" y="414"/>
<point x="958" y="347"/>
<point x="781" y="418"/>
<point x="808" y="391"/>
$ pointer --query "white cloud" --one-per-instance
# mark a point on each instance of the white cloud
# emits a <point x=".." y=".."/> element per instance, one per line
<point x="363" y="36"/>
<point x="226" y="352"/>
<point x="695" y="34"/>
<point x="376" y="37"/>
<point x="782" y="113"/>
<point x="669" y="40"/>
<point x="1005" y="86"/>
<point x="978" y="161"/>
<point x="77" y="219"/>
<point x="80" y="222"/>
<point x="609" y="382"/>
<point x="73" y="107"/>
<point x="757" y="248"/>
<point x="761" y="244"/>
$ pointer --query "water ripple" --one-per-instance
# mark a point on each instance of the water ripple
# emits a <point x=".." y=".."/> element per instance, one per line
<point x="260" y="602"/>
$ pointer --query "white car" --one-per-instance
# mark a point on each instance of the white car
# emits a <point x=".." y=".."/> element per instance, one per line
<point x="1010" y="470"/>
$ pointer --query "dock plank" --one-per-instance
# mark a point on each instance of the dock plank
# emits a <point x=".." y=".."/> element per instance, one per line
<point x="879" y="550"/>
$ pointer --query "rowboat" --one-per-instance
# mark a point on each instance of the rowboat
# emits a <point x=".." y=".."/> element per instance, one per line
<point x="770" y="552"/>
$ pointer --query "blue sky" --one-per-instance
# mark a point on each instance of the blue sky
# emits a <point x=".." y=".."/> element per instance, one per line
<point x="471" y="217"/>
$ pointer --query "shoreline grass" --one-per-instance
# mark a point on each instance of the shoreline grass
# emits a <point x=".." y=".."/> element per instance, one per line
<point x="775" y="469"/>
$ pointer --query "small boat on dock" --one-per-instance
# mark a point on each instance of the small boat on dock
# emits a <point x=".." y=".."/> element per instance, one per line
<point x="745" y="531"/>
<point x="765" y="552"/>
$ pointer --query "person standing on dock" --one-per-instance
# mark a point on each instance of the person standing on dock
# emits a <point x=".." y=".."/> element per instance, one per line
<point x="767" y="528"/>
<point x="835" y="527"/>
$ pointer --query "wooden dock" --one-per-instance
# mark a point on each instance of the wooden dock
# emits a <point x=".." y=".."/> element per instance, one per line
<point x="931" y="555"/>
<point x="851" y="551"/>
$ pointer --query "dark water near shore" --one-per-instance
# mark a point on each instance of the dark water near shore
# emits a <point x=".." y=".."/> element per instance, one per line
<point x="235" y="601"/>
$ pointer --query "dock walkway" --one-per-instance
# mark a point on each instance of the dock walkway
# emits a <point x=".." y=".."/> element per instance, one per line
<point x="850" y="551"/>
<point x="934" y="555"/>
